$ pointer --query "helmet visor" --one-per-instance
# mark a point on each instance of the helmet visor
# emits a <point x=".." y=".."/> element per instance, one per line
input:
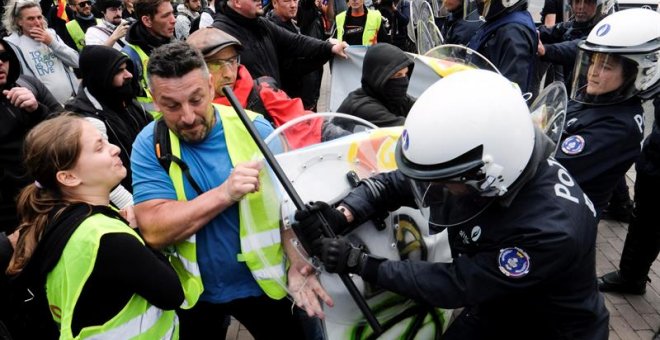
<point x="603" y="78"/>
<point x="446" y="203"/>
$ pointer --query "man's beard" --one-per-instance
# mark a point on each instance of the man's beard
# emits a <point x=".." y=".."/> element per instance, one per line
<point x="127" y="90"/>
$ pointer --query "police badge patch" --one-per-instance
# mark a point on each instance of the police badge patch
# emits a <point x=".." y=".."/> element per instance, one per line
<point x="573" y="145"/>
<point x="513" y="262"/>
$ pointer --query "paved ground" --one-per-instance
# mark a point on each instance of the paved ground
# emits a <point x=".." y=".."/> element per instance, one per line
<point x="631" y="317"/>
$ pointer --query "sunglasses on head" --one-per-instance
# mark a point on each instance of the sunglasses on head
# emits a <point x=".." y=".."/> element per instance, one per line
<point x="84" y="3"/>
<point x="4" y="56"/>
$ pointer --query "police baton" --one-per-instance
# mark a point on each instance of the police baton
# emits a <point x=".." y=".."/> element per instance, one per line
<point x="300" y="205"/>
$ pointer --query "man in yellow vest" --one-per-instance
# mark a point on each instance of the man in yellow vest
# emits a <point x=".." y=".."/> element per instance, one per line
<point x="154" y="28"/>
<point x="83" y="20"/>
<point x="217" y="215"/>
<point x="361" y="26"/>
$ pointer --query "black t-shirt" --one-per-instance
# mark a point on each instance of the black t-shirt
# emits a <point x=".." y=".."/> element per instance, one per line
<point x="353" y="29"/>
<point x="553" y="7"/>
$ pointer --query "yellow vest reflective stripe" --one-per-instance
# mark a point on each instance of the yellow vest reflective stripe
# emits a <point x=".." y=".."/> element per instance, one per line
<point x="137" y="320"/>
<point x="371" y="27"/>
<point x="77" y="34"/>
<point x="146" y="101"/>
<point x="258" y="219"/>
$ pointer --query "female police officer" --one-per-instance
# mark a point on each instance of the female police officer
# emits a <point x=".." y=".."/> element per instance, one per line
<point x="616" y="67"/>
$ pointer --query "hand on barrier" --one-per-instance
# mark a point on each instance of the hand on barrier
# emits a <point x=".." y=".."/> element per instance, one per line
<point x="340" y="256"/>
<point x="309" y="226"/>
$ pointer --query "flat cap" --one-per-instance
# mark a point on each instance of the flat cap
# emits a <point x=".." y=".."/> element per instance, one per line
<point x="210" y="40"/>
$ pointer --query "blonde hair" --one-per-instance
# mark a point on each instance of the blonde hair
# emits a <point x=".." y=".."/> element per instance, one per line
<point x="51" y="146"/>
<point x="12" y="13"/>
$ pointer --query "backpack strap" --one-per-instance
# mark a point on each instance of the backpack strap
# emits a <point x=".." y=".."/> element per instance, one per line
<point x="163" y="150"/>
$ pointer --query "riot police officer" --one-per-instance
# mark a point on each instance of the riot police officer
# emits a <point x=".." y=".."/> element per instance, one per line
<point x="508" y="39"/>
<point x="521" y="231"/>
<point x="617" y="66"/>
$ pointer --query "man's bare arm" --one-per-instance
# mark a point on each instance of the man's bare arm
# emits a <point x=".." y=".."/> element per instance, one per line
<point x="164" y="222"/>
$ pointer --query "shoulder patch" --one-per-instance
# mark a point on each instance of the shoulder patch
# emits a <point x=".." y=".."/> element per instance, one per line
<point x="573" y="145"/>
<point x="513" y="262"/>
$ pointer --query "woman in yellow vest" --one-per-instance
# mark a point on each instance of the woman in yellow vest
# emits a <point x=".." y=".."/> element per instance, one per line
<point x="361" y="26"/>
<point x="100" y="280"/>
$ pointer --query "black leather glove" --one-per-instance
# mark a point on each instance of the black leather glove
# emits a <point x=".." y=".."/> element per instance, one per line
<point x="340" y="256"/>
<point x="309" y="228"/>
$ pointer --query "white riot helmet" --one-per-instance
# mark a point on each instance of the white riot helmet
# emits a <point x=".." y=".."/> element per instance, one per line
<point x="620" y="59"/>
<point x="459" y="153"/>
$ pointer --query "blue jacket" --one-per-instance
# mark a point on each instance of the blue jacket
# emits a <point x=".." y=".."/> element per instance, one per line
<point x="510" y="43"/>
<point x="600" y="143"/>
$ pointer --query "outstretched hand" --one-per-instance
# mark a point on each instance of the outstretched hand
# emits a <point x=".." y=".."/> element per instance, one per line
<point x="338" y="48"/>
<point x="306" y="290"/>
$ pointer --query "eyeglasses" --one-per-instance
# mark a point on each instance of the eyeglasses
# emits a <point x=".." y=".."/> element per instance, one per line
<point x="84" y="4"/>
<point x="4" y="56"/>
<point x="223" y="63"/>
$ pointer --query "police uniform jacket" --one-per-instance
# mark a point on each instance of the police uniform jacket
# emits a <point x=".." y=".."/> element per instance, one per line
<point x="511" y="47"/>
<point x="457" y="30"/>
<point x="528" y="267"/>
<point x="600" y="143"/>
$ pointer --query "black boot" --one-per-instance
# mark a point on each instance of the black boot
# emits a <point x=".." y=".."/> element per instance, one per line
<point x="620" y="211"/>
<point x="613" y="282"/>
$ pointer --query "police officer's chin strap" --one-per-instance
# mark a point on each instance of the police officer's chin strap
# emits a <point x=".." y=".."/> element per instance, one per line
<point x="543" y="148"/>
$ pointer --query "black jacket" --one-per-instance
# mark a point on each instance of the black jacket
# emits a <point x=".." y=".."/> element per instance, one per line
<point x="600" y="143"/>
<point x="310" y="20"/>
<point x="370" y="102"/>
<point x="296" y="75"/>
<point x="14" y="125"/>
<point x="266" y="44"/>
<point x="122" y="115"/>
<point x="549" y="293"/>
<point x="457" y="30"/>
<point x="397" y="22"/>
<point x="511" y="46"/>
<point x="138" y="35"/>
<point x="649" y="160"/>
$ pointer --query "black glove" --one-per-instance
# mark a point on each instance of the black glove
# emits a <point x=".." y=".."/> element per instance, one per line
<point x="309" y="228"/>
<point x="340" y="256"/>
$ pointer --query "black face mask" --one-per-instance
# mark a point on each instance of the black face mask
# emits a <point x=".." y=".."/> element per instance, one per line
<point x="127" y="90"/>
<point x="395" y="88"/>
